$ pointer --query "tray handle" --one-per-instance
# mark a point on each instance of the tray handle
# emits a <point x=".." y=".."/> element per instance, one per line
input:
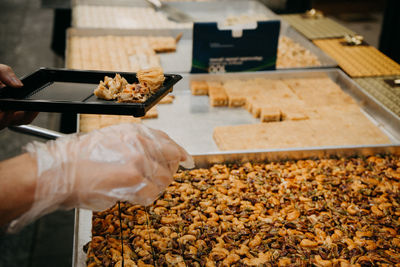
<point x="36" y="131"/>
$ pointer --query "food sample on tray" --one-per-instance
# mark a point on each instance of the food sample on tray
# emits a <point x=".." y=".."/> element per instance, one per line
<point x="117" y="53"/>
<point x="149" y="81"/>
<point x="320" y="212"/>
<point x="359" y="60"/>
<point x="294" y="55"/>
<point x="86" y="16"/>
<point x="295" y="112"/>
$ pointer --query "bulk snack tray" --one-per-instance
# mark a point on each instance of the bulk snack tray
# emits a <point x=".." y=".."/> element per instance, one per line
<point x="83" y="217"/>
<point x="358" y="60"/>
<point x="316" y="28"/>
<point x="190" y="121"/>
<point x="383" y="89"/>
<point x="180" y="61"/>
<point x="199" y="11"/>
<point x="169" y="61"/>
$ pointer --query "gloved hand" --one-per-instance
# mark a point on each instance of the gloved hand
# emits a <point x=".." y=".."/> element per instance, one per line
<point x="127" y="162"/>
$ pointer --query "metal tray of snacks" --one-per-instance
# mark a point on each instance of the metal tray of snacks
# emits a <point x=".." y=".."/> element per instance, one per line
<point x="316" y="28"/>
<point x="136" y="15"/>
<point x="127" y="2"/>
<point x="319" y="202"/>
<point x="385" y="89"/>
<point x="99" y="49"/>
<point x="298" y="52"/>
<point x="358" y="61"/>
<point x="201" y="117"/>
<point x="62" y="90"/>
<point x="103" y="49"/>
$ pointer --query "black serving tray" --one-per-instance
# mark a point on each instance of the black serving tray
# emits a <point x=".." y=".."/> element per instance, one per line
<point x="63" y="90"/>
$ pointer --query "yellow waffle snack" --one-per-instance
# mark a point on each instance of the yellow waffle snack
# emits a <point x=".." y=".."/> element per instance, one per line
<point x="359" y="60"/>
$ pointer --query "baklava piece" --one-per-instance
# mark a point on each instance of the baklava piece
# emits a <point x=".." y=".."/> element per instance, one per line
<point x="151" y="78"/>
<point x="199" y="87"/>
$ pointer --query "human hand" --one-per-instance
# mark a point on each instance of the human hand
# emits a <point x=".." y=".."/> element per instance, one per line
<point x="127" y="162"/>
<point x="8" y="118"/>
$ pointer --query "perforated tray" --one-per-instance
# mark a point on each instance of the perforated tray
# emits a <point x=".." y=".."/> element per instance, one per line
<point x="359" y="61"/>
<point x="383" y="90"/>
<point x="317" y="28"/>
<point x="61" y="90"/>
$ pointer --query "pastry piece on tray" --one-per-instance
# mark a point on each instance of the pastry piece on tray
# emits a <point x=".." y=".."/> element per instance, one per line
<point x="342" y="128"/>
<point x="217" y="95"/>
<point x="199" y="87"/>
<point x="169" y="99"/>
<point x="269" y="114"/>
<point x="151" y="114"/>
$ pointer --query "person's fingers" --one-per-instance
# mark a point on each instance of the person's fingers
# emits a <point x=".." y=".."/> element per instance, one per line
<point x="23" y="117"/>
<point x="8" y="77"/>
<point x="2" y="85"/>
<point x="6" y="117"/>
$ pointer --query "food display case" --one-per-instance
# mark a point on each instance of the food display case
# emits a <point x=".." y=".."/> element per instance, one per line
<point x="126" y="36"/>
<point x="198" y="118"/>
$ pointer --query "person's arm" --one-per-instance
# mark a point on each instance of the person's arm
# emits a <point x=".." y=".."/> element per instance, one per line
<point x="126" y="162"/>
<point x="17" y="185"/>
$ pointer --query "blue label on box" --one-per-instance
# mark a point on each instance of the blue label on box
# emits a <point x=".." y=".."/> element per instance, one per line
<point x="233" y="50"/>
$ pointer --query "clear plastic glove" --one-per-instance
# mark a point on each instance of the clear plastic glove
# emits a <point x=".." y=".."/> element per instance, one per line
<point x="127" y="162"/>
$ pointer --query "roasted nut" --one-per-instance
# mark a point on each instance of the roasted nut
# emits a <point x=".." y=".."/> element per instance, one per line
<point x="307" y="243"/>
<point x="318" y="261"/>
<point x="230" y="259"/>
<point x="352" y="209"/>
<point x="186" y="238"/>
<point x="293" y="215"/>
<point x="262" y="258"/>
<point x="176" y="260"/>
<point x="256" y="241"/>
